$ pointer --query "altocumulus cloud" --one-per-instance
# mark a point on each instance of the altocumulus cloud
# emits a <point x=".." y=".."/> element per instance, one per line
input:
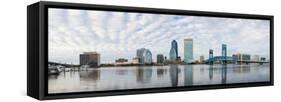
<point x="118" y="34"/>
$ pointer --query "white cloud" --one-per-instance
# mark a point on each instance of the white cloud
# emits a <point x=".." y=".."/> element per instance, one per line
<point x="119" y="34"/>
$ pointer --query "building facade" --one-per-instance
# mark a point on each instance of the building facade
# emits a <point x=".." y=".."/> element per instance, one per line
<point x="160" y="58"/>
<point x="121" y="60"/>
<point x="188" y="50"/>
<point x="224" y="53"/>
<point x="241" y="57"/>
<point x="202" y="59"/>
<point x="224" y="50"/>
<point x="256" y="58"/>
<point x="144" y="56"/>
<point x="174" y="51"/>
<point x="90" y="58"/>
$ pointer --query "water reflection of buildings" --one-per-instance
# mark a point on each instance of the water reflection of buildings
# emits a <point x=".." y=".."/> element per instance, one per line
<point x="211" y="72"/>
<point x="144" y="75"/>
<point x="122" y="71"/>
<point x="241" y="69"/>
<point x="161" y="72"/>
<point x="93" y="75"/>
<point x="223" y="74"/>
<point x="174" y="75"/>
<point x="90" y="58"/>
<point x="188" y="75"/>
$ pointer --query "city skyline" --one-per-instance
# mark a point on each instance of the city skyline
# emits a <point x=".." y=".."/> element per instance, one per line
<point x="118" y="35"/>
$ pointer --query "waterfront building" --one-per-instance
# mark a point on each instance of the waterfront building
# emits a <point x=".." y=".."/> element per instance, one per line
<point x="147" y="57"/>
<point x="144" y="55"/>
<point x="241" y="57"/>
<point x="188" y="50"/>
<point x="202" y="59"/>
<point x="160" y="58"/>
<point x="90" y="58"/>
<point x="263" y="59"/>
<point x="174" y="51"/>
<point x="179" y="58"/>
<point x="135" y="60"/>
<point x="173" y="55"/>
<point x="224" y="53"/>
<point x="121" y="60"/>
<point x="256" y="58"/>
<point x="211" y="55"/>
<point x="224" y="50"/>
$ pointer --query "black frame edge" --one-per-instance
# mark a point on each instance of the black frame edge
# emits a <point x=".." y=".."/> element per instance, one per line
<point x="41" y="56"/>
<point x="33" y="50"/>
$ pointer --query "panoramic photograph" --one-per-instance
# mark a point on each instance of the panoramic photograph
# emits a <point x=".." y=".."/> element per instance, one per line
<point x="90" y="50"/>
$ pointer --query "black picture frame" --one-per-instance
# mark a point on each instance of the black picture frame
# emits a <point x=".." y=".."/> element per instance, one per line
<point x="37" y="49"/>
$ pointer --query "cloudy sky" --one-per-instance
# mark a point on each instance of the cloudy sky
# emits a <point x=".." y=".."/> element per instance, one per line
<point x="118" y="34"/>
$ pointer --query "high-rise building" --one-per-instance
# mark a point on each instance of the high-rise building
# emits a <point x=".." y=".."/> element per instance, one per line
<point x="188" y="50"/>
<point x="211" y="55"/>
<point x="224" y="50"/>
<point x="174" y="51"/>
<point x="147" y="57"/>
<point x="140" y="55"/>
<point x="144" y="55"/>
<point x="160" y="58"/>
<point x="90" y="58"/>
<point x="224" y="53"/>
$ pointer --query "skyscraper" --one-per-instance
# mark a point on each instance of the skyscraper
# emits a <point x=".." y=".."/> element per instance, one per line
<point x="140" y="55"/>
<point x="147" y="57"/>
<point x="224" y="53"/>
<point x="90" y="58"/>
<point x="211" y="55"/>
<point x="188" y="50"/>
<point x="144" y="55"/>
<point x="160" y="58"/>
<point x="174" y="51"/>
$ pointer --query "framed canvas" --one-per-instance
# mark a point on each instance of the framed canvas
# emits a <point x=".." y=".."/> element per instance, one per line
<point x="85" y="50"/>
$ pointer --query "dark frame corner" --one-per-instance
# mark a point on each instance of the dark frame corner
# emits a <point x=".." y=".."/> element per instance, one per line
<point x="37" y="53"/>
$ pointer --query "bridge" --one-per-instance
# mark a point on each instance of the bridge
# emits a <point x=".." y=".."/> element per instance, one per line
<point x="250" y="61"/>
<point x="65" y="65"/>
<point x="219" y="58"/>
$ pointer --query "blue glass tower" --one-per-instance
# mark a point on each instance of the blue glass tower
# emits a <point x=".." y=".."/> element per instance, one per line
<point x="174" y="51"/>
<point x="224" y="53"/>
<point x="188" y="50"/>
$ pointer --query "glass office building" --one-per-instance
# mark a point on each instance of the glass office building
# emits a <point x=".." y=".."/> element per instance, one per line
<point x="174" y="51"/>
<point x="144" y="55"/>
<point x="188" y="50"/>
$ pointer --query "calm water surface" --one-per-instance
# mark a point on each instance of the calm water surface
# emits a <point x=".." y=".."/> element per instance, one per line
<point x="118" y="78"/>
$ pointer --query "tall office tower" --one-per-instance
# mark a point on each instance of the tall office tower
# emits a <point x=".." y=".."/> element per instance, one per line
<point x="211" y="55"/>
<point x="90" y="58"/>
<point x="224" y="53"/>
<point x="174" y="51"/>
<point x="144" y="55"/>
<point x="188" y="50"/>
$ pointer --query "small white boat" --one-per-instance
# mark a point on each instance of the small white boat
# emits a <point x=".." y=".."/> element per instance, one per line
<point x="54" y="70"/>
<point x="84" y="67"/>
